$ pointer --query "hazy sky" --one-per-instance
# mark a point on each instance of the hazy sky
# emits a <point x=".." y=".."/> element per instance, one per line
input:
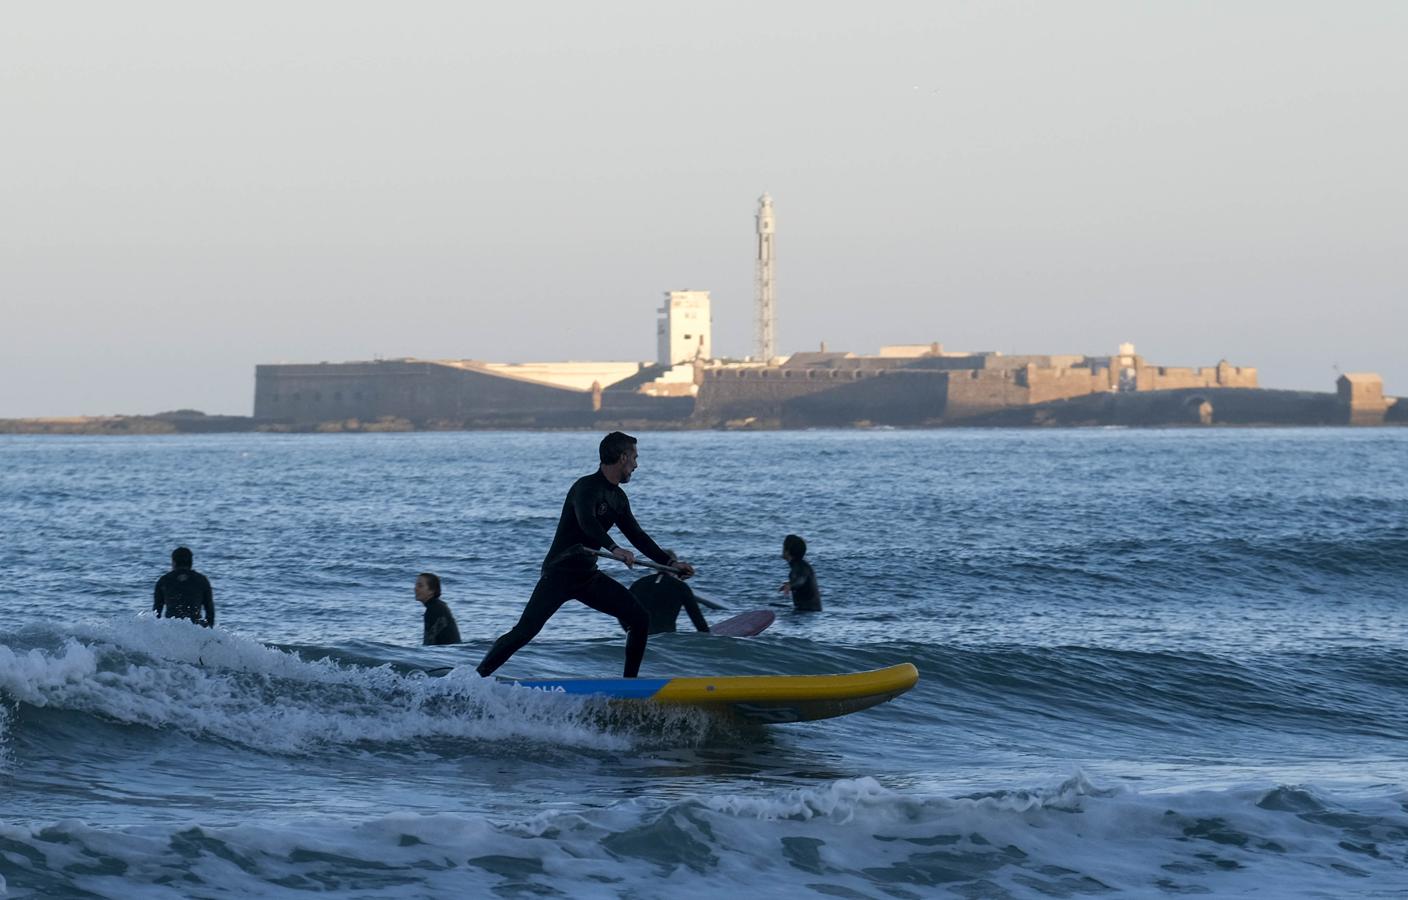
<point x="188" y="189"/>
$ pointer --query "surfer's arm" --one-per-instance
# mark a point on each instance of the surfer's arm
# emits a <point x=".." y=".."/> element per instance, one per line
<point x="691" y="606"/>
<point x="157" y="602"/>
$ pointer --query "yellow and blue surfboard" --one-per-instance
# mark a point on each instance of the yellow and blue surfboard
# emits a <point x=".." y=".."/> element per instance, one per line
<point x="770" y="699"/>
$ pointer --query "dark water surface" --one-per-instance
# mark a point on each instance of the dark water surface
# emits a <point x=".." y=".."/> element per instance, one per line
<point x="1152" y="662"/>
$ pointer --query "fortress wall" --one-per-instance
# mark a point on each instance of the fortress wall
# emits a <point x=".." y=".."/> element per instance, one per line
<point x="1062" y="383"/>
<point x="309" y="393"/>
<point x="1236" y="376"/>
<point x="737" y="393"/>
<point x="904" y="392"/>
<point x="418" y="391"/>
<point x="997" y="362"/>
<point x="1186" y="407"/>
<point x="893" y="397"/>
<point x="984" y="390"/>
<point x="947" y="363"/>
<point x="1360" y="396"/>
<point x="1171" y="378"/>
<point x="1041" y="362"/>
<point x="909" y="395"/>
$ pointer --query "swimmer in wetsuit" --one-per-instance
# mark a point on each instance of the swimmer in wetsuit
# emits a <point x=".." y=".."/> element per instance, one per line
<point x="184" y="593"/>
<point x="594" y="504"/>
<point x="801" y="577"/>
<point x="662" y="597"/>
<point x="440" y="627"/>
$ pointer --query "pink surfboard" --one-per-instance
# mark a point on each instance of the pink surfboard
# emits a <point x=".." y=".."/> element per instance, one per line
<point x="747" y="624"/>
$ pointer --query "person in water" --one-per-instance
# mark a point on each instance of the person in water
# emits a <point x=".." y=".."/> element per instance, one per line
<point x="594" y="504"/>
<point x="184" y="593"/>
<point x="801" y="578"/>
<point x="662" y="596"/>
<point x="440" y="627"/>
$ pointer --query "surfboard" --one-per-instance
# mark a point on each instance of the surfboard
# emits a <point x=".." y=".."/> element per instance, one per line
<point x="754" y="621"/>
<point x="768" y="699"/>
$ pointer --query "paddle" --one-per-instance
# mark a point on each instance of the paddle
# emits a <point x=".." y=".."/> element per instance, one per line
<point x="706" y="602"/>
<point x="668" y="570"/>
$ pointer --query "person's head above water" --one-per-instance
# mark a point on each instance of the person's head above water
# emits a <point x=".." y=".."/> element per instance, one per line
<point x="427" y="587"/>
<point x="793" y="548"/>
<point x="618" y="457"/>
<point x="182" y="558"/>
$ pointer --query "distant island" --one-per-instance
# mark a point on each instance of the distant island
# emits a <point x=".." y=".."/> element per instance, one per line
<point x="688" y="387"/>
<point x="825" y="391"/>
<point x="903" y="386"/>
<point x="180" y="421"/>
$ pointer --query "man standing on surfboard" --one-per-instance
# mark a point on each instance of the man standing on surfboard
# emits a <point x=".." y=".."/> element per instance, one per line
<point x="594" y="504"/>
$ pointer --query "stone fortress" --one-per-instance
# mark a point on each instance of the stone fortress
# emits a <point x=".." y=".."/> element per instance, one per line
<point x="903" y="386"/>
<point x="688" y="385"/>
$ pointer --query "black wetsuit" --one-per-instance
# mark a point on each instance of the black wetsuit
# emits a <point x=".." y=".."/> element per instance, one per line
<point x="184" y="594"/>
<point x="662" y="596"/>
<point x="593" y="505"/>
<point x="806" y="596"/>
<point x="440" y="627"/>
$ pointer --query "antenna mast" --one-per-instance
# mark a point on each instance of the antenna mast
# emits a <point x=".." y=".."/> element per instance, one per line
<point x="766" y="344"/>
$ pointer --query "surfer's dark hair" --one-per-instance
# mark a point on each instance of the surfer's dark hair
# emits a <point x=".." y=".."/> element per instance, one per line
<point x="433" y="581"/>
<point x="794" y="546"/>
<point x="182" y="556"/>
<point x="614" y="446"/>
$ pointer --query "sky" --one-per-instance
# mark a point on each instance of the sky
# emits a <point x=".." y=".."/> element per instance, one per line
<point x="190" y="189"/>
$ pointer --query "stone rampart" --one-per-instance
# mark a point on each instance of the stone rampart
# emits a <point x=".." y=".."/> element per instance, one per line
<point x="1062" y="383"/>
<point x="1172" y="378"/>
<point x="985" y="390"/>
<point x="1361" y="398"/>
<point x="898" y="397"/>
<point x="970" y="385"/>
<point x="760" y="393"/>
<point x="436" y="395"/>
<point x="1182" y="407"/>
<point x="409" y="389"/>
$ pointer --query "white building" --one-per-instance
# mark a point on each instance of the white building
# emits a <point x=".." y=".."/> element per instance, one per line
<point x="684" y="328"/>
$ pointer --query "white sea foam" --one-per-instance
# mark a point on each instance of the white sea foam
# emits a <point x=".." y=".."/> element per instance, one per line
<point x="215" y="683"/>
<point x="28" y="677"/>
<point x="848" y="838"/>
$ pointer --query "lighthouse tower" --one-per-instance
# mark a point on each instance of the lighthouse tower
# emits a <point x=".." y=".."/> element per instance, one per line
<point x="765" y="347"/>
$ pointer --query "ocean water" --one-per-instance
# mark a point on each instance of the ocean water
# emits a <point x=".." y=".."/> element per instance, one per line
<point x="1152" y="663"/>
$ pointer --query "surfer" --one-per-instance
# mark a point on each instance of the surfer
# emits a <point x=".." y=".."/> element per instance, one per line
<point x="801" y="578"/>
<point x="594" y="504"/>
<point x="440" y="627"/>
<point x="184" y="593"/>
<point x="662" y="597"/>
